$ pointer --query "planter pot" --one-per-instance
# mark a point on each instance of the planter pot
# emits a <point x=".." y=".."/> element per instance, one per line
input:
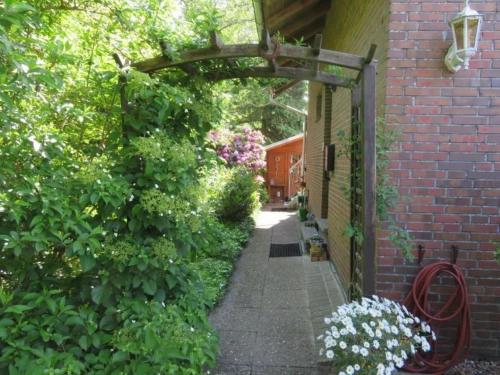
<point x="302" y="214"/>
<point x="317" y="252"/>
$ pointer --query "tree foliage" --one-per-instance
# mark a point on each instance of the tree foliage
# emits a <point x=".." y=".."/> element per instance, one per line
<point x="107" y="228"/>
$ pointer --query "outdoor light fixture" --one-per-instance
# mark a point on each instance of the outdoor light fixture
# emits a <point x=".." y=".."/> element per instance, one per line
<point x="466" y="27"/>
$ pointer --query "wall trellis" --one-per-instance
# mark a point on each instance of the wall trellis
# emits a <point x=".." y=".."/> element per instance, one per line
<point x="296" y="63"/>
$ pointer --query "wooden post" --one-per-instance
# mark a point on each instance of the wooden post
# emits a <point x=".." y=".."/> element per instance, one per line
<point x="368" y="132"/>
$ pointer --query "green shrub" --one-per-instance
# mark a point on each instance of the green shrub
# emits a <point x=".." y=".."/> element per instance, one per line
<point x="44" y="334"/>
<point x="101" y="217"/>
<point x="263" y="194"/>
<point x="237" y="196"/>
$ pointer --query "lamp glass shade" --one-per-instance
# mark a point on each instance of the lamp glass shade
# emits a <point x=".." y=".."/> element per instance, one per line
<point x="458" y="31"/>
<point x="473" y="28"/>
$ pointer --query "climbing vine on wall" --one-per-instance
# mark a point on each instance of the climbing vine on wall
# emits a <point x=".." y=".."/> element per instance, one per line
<point x="387" y="195"/>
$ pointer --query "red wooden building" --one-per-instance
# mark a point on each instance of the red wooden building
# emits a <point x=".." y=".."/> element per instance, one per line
<point x="284" y="168"/>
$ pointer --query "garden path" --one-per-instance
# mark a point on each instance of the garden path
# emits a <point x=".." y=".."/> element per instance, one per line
<point x="269" y="317"/>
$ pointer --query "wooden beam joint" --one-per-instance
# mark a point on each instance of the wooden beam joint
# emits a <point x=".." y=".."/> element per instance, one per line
<point x="166" y="50"/>
<point x="215" y="41"/>
<point x="120" y="60"/>
<point x="265" y="41"/>
<point x="316" y="47"/>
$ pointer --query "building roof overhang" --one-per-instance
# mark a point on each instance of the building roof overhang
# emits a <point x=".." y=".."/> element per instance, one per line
<point x="284" y="142"/>
<point x="294" y="20"/>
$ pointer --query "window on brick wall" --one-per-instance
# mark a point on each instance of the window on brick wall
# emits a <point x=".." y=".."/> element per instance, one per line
<point x="319" y="106"/>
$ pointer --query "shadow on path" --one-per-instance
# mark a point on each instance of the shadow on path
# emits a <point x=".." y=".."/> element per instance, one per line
<point x="265" y="322"/>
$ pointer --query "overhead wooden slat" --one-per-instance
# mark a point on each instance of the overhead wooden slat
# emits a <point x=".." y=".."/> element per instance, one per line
<point x="305" y="20"/>
<point x="296" y="8"/>
<point x="189" y="69"/>
<point x="281" y="89"/>
<point x="253" y="50"/>
<point x="297" y="74"/>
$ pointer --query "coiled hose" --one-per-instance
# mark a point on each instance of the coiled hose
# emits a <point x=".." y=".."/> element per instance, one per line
<point x="456" y="307"/>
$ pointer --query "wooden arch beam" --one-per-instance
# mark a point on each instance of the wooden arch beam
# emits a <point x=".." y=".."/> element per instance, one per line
<point x="232" y="51"/>
<point x="296" y="74"/>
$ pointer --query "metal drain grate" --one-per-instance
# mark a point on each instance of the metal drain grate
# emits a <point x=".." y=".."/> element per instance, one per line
<point x="284" y="250"/>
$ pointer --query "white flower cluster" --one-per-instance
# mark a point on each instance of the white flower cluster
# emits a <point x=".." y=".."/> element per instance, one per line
<point x="374" y="334"/>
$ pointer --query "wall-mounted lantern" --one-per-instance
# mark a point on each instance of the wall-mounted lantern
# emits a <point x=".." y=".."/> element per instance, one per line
<point x="466" y="27"/>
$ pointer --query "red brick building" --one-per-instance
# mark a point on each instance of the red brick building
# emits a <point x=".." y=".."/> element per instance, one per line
<point x="446" y="163"/>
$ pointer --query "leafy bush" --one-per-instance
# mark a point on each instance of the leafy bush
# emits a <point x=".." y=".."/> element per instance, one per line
<point x="44" y="334"/>
<point x="235" y="194"/>
<point x="106" y="241"/>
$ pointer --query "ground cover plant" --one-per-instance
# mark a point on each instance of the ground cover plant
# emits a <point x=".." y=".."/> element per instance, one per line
<point x="112" y="248"/>
<point x="375" y="336"/>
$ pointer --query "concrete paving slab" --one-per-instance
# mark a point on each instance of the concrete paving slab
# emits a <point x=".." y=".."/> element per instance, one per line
<point x="279" y="283"/>
<point x="242" y="296"/>
<point x="235" y="318"/>
<point x="236" y="347"/>
<point x="225" y="369"/>
<point x="284" y="350"/>
<point x="283" y="370"/>
<point x="284" y="299"/>
<point x="292" y="321"/>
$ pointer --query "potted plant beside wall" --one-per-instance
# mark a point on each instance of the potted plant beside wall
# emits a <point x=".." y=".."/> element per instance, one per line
<point x="302" y="206"/>
<point x="303" y="213"/>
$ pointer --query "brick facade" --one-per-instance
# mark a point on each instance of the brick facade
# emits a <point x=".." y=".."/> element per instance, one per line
<point x="352" y="26"/>
<point x="447" y="163"/>
<point x="315" y="133"/>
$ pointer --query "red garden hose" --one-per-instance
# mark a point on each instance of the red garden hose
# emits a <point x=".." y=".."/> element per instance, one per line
<point x="455" y="308"/>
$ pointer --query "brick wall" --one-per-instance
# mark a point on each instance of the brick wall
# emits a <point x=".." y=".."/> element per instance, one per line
<point x="447" y="165"/>
<point x="352" y="26"/>
<point x="314" y="150"/>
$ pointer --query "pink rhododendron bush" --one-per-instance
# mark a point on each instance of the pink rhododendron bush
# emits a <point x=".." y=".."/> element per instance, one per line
<point x="243" y="148"/>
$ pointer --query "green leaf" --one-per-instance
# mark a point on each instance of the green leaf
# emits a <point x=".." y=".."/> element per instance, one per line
<point x="18" y="309"/>
<point x="119" y="357"/>
<point x="74" y="321"/>
<point x="97" y="294"/>
<point x="160" y="295"/>
<point x="87" y="262"/>
<point x="84" y="342"/>
<point x="107" y="323"/>
<point x="149" y="286"/>
<point x="96" y="340"/>
<point x="52" y="305"/>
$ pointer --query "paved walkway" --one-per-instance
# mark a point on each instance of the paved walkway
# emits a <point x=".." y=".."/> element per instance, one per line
<point x="265" y="322"/>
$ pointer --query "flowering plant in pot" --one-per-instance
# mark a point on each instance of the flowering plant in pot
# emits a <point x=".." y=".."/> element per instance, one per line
<point x="373" y="337"/>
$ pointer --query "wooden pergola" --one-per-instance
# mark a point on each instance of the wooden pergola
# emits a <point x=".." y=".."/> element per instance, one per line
<point x="296" y="63"/>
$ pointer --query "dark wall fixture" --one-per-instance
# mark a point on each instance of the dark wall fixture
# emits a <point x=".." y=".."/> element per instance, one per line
<point x="329" y="162"/>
